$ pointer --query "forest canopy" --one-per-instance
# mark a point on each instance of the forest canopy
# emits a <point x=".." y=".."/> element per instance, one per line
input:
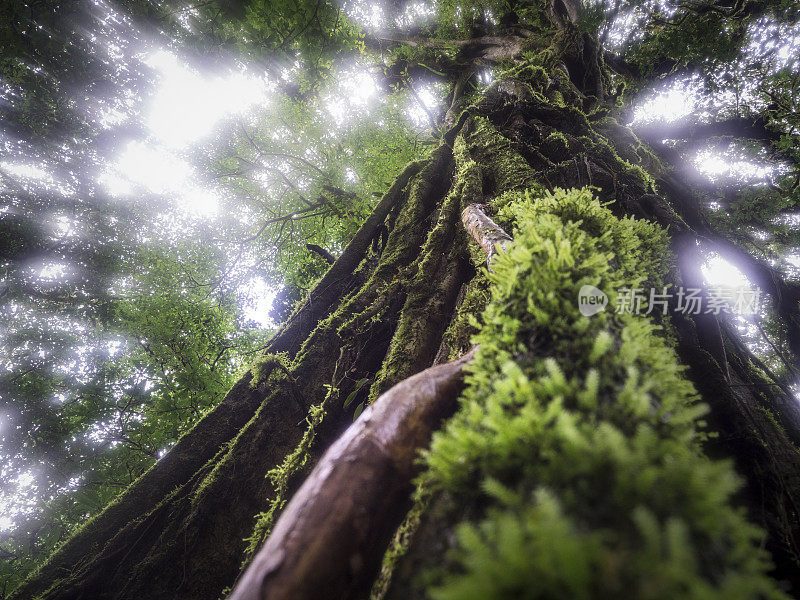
<point x="178" y="178"/>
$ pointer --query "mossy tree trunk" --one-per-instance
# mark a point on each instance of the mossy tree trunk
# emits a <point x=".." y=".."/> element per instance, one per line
<point x="381" y="315"/>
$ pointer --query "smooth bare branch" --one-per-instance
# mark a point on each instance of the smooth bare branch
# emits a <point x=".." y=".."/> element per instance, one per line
<point x="483" y="230"/>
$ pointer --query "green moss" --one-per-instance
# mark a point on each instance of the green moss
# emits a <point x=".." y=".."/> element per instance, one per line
<point x="556" y="145"/>
<point x="468" y="178"/>
<point x="412" y="329"/>
<point x="576" y="448"/>
<point x="577" y="118"/>
<point x="210" y="473"/>
<point x="400" y="543"/>
<point x="556" y="97"/>
<point x="647" y="159"/>
<point x="361" y="321"/>
<point x="389" y="277"/>
<point x="280" y="478"/>
<point x="627" y="144"/>
<point x="534" y="74"/>
<point x="418" y="202"/>
<point x="637" y="174"/>
<point x="503" y="165"/>
<point x="458" y="335"/>
<point x="264" y="366"/>
<point x="564" y="85"/>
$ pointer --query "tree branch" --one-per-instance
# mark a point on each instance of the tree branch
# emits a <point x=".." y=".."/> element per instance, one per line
<point x="329" y="258"/>
<point x="484" y="231"/>
<point x="739" y="127"/>
<point x="329" y="541"/>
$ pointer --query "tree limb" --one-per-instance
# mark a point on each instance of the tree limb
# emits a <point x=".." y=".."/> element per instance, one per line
<point x="329" y="541"/>
<point x="329" y="258"/>
<point x="484" y="231"/>
<point x="738" y="127"/>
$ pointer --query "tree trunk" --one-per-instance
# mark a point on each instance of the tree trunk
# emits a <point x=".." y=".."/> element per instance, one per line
<point x="188" y="526"/>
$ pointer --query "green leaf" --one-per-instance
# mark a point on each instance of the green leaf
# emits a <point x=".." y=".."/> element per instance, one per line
<point x="352" y="396"/>
<point x="359" y="408"/>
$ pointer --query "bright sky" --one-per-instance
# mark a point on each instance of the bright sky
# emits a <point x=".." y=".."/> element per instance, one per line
<point x="188" y="105"/>
<point x="681" y="100"/>
<point x="669" y="104"/>
<point x="186" y="108"/>
<point x="259" y="297"/>
<point x="353" y="93"/>
<point x="424" y="105"/>
<point x="372" y="14"/>
<point x="721" y="273"/>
